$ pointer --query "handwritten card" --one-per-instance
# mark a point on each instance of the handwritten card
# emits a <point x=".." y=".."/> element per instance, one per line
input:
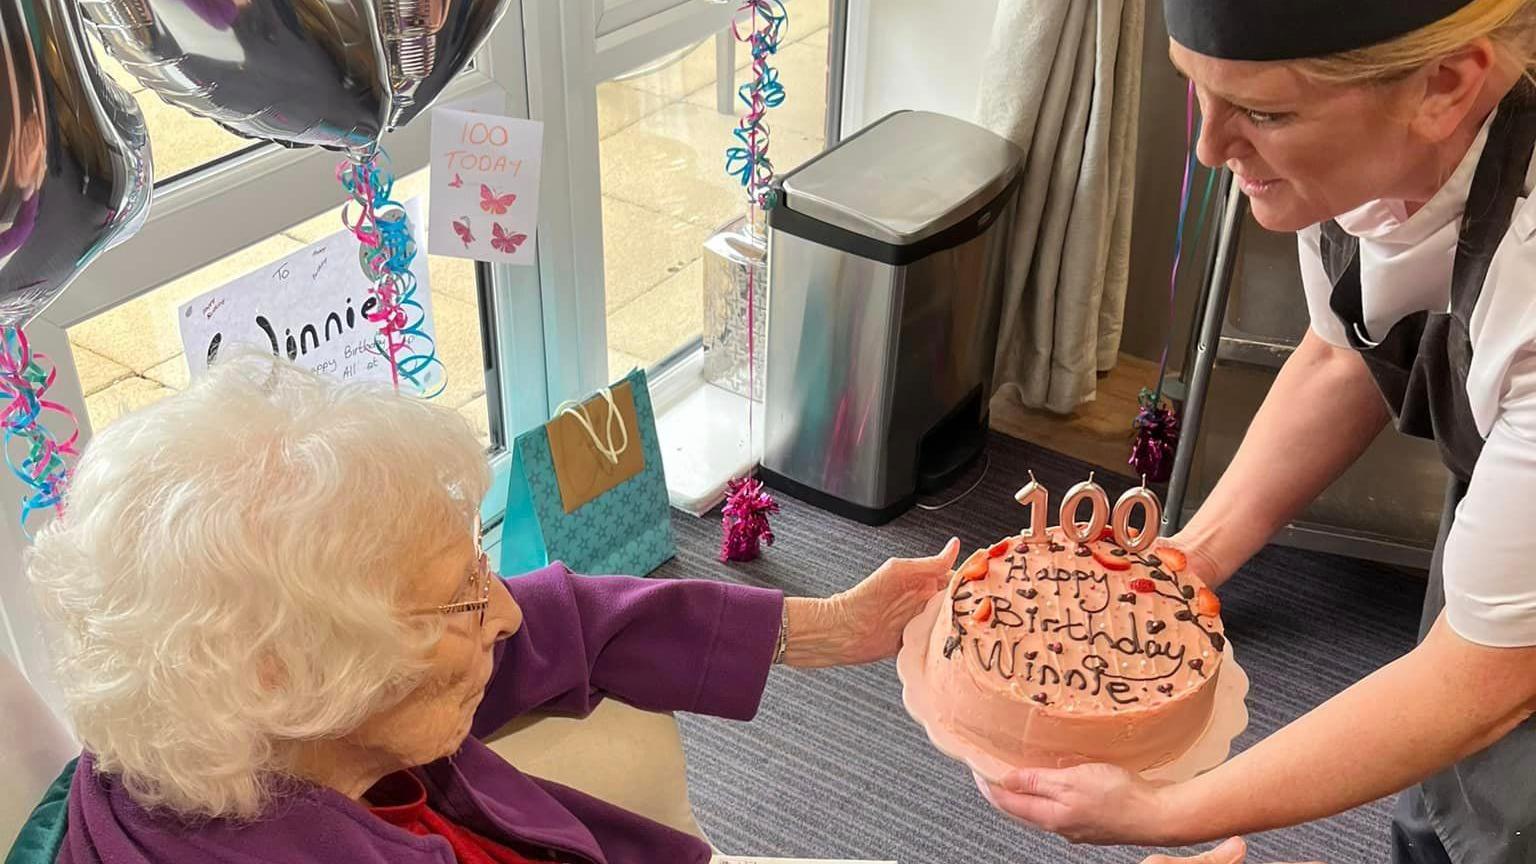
<point x="485" y="186"/>
<point x="310" y="307"/>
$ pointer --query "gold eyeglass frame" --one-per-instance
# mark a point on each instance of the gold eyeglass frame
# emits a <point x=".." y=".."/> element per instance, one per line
<point x="481" y="574"/>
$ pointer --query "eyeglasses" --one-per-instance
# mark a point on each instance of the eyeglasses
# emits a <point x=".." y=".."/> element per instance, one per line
<point x="479" y="582"/>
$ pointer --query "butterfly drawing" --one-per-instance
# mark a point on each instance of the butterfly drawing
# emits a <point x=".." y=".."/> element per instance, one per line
<point x="457" y="182"/>
<point x="461" y="228"/>
<point x="501" y="241"/>
<point x="494" y="204"/>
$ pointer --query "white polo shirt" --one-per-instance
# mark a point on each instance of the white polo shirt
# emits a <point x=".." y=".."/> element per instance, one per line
<point x="1405" y="267"/>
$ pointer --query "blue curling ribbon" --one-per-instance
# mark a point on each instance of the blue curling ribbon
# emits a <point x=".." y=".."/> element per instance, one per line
<point x="767" y="86"/>
<point x="387" y="250"/>
<point x="24" y="382"/>
<point x="749" y="162"/>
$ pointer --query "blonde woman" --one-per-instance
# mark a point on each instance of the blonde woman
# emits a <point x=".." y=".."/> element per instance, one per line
<point x="1395" y="137"/>
<point x="282" y="640"/>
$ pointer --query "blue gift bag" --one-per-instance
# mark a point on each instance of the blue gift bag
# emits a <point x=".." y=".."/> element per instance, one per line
<point x="587" y="489"/>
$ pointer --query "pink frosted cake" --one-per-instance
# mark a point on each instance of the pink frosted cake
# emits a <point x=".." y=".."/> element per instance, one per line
<point x="1056" y="653"/>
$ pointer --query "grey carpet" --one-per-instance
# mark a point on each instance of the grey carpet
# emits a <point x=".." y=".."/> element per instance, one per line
<point x="834" y="767"/>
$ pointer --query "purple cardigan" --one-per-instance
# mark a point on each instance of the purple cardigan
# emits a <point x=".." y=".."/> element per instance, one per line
<point x="703" y="647"/>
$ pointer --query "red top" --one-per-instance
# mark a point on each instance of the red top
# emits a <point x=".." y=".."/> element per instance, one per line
<point x="403" y="803"/>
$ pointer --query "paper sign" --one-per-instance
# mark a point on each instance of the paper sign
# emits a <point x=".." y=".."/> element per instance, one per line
<point x="738" y="859"/>
<point x="309" y="307"/>
<point x="492" y="101"/>
<point x="485" y="186"/>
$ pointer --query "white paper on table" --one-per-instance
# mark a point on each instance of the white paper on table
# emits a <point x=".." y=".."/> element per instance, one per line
<point x="485" y="186"/>
<point x="308" y="306"/>
<point x="749" y="859"/>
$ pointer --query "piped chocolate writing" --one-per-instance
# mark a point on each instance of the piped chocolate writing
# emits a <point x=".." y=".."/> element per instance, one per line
<point x="1119" y="648"/>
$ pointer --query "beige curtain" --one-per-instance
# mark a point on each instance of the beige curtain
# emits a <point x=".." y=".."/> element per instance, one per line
<point x="1063" y="81"/>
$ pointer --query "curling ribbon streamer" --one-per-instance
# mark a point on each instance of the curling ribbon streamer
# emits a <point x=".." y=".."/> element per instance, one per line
<point x="386" y="251"/>
<point x="1178" y="235"/>
<point x="25" y="378"/>
<point x="1156" y="425"/>
<point x="745" y="522"/>
<point x="748" y="162"/>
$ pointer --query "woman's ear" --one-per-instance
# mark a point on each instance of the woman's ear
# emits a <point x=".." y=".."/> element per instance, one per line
<point x="1452" y="86"/>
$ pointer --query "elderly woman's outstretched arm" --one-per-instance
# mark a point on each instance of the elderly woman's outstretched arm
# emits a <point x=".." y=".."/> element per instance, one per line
<point x="682" y="645"/>
<point x="661" y="645"/>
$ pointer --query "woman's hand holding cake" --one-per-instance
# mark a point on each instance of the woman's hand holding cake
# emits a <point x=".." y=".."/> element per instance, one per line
<point x="1233" y="850"/>
<point x="864" y="623"/>
<point x="1203" y="562"/>
<point x="1478" y="693"/>
<point x="1095" y="803"/>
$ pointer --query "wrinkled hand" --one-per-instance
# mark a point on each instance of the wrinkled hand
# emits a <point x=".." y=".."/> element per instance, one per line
<point x="864" y="623"/>
<point x="880" y="607"/>
<point x="1231" y="851"/>
<point x="1094" y="803"/>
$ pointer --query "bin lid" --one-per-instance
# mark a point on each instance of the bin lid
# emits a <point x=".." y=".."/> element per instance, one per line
<point x="904" y="178"/>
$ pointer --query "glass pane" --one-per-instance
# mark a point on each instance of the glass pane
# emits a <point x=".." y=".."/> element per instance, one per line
<point x="131" y="355"/>
<point x="665" y="190"/>
<point x="180" y="141"/>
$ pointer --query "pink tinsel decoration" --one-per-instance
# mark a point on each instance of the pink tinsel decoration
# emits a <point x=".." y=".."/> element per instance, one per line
<point x="745" y="521"/>
<point x="1157" y="437"/>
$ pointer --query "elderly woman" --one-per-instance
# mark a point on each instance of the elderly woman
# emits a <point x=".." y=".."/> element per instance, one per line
<point x="281" y="639"/>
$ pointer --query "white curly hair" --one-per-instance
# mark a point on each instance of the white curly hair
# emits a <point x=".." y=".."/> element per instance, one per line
<point x="228" y="575"/>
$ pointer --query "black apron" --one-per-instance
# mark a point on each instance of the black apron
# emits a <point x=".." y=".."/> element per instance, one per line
<point x="1483" y="809"/>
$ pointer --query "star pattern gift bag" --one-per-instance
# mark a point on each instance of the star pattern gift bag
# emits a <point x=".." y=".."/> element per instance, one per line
<point x="587" y="489"/>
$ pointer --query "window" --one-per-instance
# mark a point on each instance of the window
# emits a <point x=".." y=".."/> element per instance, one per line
<point x="182" y="142"/>
<point x="664" y="129"/>
<point x="131" y="355"/>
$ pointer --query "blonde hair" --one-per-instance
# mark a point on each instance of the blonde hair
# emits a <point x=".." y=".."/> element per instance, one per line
<point x="228" y="572"/>
<point x="1509" y="24"/>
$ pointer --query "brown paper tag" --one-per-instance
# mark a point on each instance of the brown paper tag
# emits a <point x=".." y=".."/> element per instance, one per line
<point x="583" y="472"/>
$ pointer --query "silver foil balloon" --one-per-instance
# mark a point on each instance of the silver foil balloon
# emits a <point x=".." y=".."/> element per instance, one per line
<point x="75" y="172"/>
<point x="332" y="73"/>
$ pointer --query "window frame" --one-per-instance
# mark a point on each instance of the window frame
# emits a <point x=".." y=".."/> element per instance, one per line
<point x="622" y="41"/>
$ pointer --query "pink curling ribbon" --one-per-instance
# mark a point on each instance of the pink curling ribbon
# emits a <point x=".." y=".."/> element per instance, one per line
<point x="386" y="251"/>
<point x="25" y="378"/>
